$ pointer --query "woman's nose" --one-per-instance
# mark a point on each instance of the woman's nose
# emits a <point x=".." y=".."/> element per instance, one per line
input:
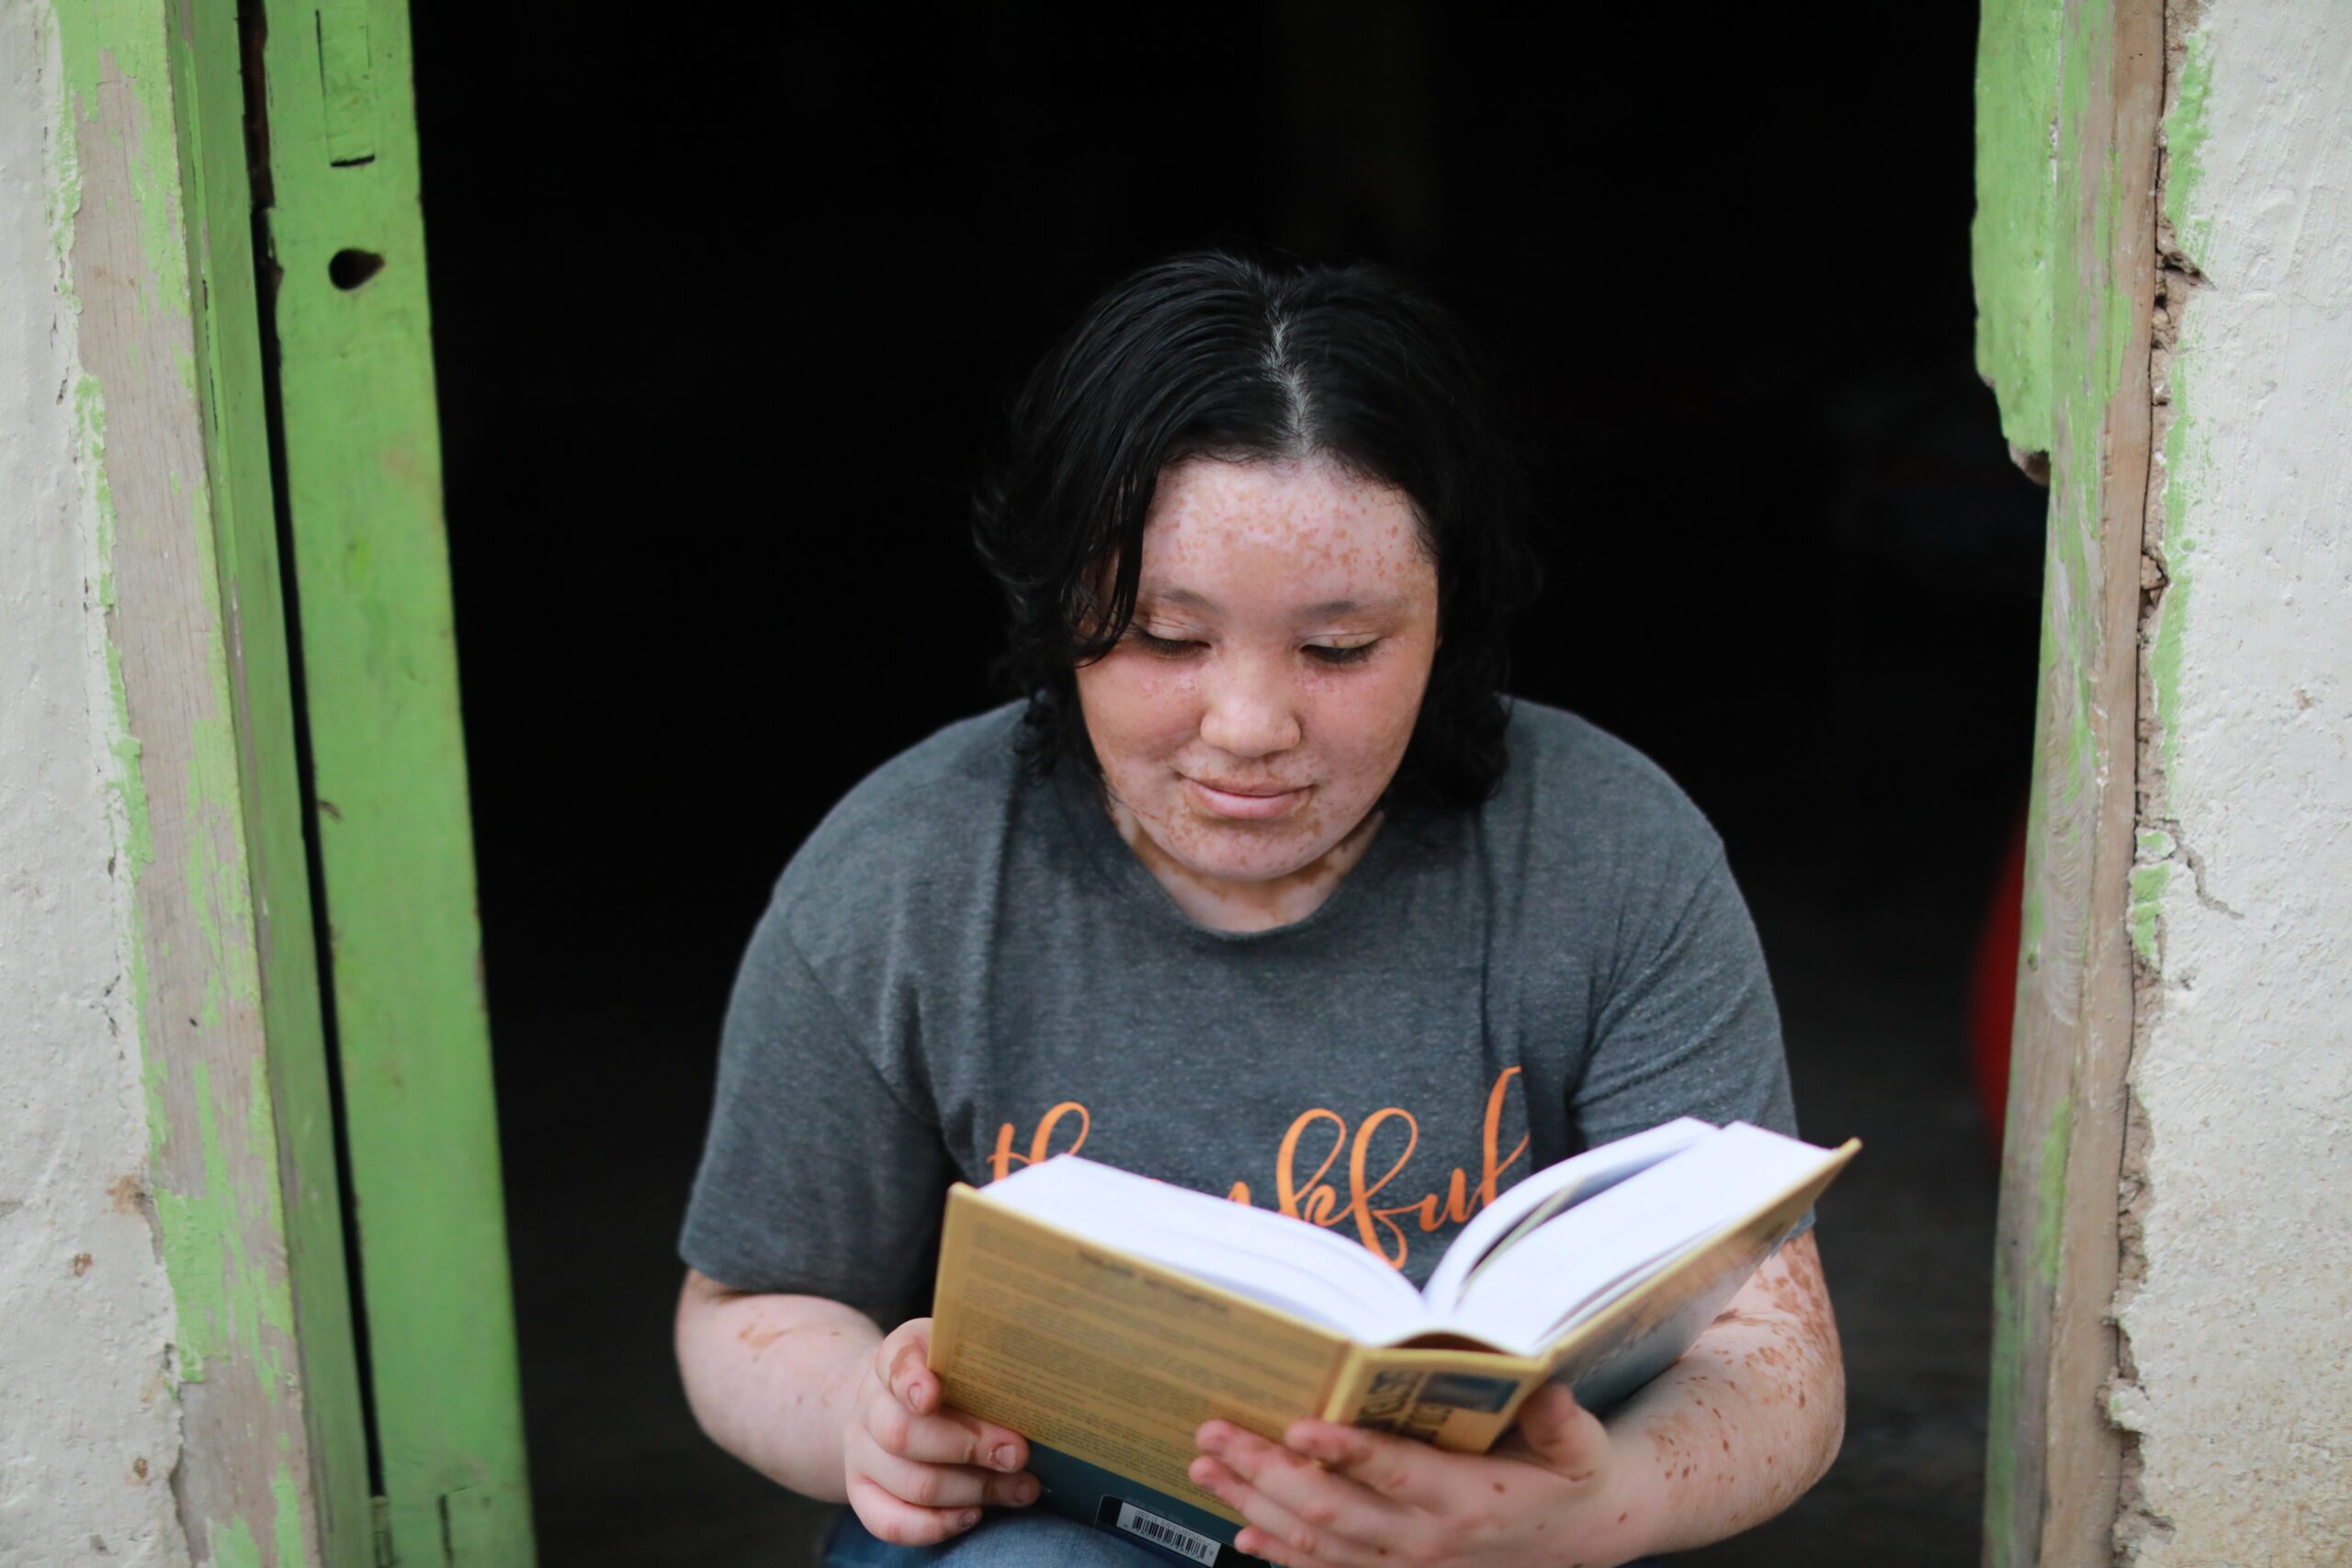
<point x="1248" y="711"/>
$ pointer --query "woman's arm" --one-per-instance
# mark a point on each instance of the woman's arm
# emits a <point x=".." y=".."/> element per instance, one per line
<point x="773" y="1378"/>
<point x="1754" y="1411"/>
<point x="1726" y="1438"/>
<point x="812" y="1395"/>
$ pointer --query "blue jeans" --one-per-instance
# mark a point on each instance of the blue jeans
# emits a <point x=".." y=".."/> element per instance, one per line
<point x="1004" y="1539"/>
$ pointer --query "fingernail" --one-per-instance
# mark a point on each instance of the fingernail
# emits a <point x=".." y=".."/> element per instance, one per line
<point x="968" y="1518"/>
<point x="1213" y="1441"/>
<point x="1026" y="1492"/>
<point x="1001" y="1456"/>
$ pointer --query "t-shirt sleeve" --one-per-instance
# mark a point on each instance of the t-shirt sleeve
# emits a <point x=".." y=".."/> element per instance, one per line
<point x="819" y="1176"/>
<point x="1686" y="1024"/>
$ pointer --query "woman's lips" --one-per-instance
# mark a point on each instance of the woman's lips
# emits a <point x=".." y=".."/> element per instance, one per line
<point x="1249" y="805"/>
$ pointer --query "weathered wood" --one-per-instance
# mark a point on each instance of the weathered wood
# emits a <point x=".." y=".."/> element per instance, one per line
<point x="242" y="1172"/>
<point x="210" y="90"/>
<point x="361" y="458"/>
<point x="2054" y="1459"/>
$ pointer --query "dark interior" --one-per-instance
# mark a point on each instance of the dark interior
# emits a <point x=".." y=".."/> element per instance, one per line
<point x="727" y="303"/>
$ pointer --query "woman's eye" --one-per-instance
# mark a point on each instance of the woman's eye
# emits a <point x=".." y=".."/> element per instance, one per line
<point x="1166" y="646"/>
<point x="1324" y="653"/>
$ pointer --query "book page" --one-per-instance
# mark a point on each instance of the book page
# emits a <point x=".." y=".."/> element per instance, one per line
<point x="1107" y="1356"/>
<point x="1287" y="1263"/>
<point x="1645" y="1327"/>
<point x="1585" y="1255"/>
<point x="1543" y="1195"/>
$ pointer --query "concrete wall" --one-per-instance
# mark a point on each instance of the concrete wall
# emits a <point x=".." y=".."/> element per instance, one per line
<point x="89" y="1426"/>
<point x="2237" y="1375"/>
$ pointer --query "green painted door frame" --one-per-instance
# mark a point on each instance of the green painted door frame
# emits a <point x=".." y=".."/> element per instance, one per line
<point x="155" y="233"/>
<point x="2068" y="100"/>
<point x="358" y="450"/>
<point x="239" y="229"/>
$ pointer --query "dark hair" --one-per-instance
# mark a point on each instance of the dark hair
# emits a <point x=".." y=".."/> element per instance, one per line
<point x="1216" y="354"/>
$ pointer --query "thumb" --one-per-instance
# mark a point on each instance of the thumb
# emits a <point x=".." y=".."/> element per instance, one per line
<point x="1562" y="1435"/>
<point x="905" y="1365"/>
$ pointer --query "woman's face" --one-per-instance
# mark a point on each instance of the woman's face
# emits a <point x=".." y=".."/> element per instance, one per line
<point x="1284" y="624"/>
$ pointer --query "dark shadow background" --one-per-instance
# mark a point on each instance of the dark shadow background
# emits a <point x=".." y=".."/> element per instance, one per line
<point x="725" y="303"/>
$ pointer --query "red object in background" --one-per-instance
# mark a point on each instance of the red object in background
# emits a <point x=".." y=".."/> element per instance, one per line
<point x="1992" y="985"/>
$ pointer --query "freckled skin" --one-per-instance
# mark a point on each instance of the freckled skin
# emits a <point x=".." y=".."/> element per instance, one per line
<point x="1744" y="1455"/>
<point x="1256" y="684"/>
<point x="759" y="1338"/>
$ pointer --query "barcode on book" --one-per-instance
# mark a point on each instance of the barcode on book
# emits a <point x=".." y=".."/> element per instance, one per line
<point x="1158" y="1532"/>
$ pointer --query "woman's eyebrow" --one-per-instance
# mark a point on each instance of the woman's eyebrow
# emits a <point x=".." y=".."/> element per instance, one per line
<point x="1330" y="608"/>
<point x="1186" y="599"/>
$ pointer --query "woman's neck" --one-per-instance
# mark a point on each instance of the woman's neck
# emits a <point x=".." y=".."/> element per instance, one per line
<point x="1227" y="904"/>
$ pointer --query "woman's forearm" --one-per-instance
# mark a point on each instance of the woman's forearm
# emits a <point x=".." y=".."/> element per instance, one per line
<point x="1752" y="1415"/>
<point x="772" y="1379"/>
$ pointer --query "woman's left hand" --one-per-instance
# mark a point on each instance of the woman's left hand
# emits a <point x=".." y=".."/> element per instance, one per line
<point x="1555" y="1491"/>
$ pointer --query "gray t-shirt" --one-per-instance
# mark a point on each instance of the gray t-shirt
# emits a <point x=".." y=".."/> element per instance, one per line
<point x="964" y="970"/>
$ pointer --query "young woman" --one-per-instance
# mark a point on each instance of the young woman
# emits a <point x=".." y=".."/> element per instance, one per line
<point x="1263" y="889"/>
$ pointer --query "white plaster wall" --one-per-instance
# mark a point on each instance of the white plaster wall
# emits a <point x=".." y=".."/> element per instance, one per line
<point x="2241" y="1329"/>
<point x="89" y="1429"/>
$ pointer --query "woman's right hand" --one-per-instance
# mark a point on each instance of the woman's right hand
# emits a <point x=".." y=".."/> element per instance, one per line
<point x="918" y="1472"/>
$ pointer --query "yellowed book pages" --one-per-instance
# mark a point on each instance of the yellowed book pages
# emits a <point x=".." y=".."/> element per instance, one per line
<point x="1107" y="1356"/>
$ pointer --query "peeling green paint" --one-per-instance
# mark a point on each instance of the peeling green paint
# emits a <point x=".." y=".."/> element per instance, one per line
<point x="99" y="42"/>
<point x="2056" y="357"/>
<point x="286" y="1491"/>
<point x="2152" y="871"/>
<point x="127" y="787"/>
<point x="2185" y="458"/>
<point x="224" y="1299"/>
<point x="234" y="1546"/>
<point x="82" y="37"/>
<point x="2147" y="904"/>
<point x="2184" y="135"/>
<point x="261" y="1141"/>
<point x="2010" y="238"/>
<point x="2055" y="335"/>
<point x="98" y="38"/>
<point x="148" y="167"/>
<point x="62" y="197"/>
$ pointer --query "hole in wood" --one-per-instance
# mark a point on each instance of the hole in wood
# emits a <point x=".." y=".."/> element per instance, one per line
<point x="349" y="269"/>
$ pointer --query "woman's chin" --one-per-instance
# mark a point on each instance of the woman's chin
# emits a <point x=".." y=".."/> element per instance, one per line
<point x="1210" y="848"/>
<point x="1257" y="862"/>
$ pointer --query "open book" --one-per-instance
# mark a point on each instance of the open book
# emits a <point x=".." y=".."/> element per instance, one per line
<point x="1104" y="1316"/>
